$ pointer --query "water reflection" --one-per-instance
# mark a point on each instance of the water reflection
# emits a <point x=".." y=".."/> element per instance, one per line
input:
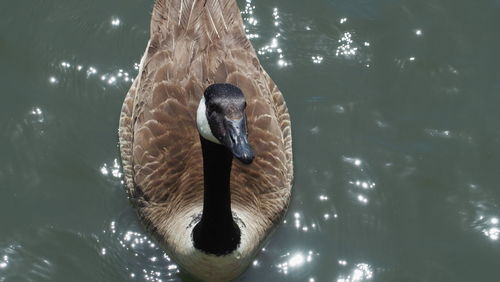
<point x="271" y="48"/>
<point x="114" y="169"/>
<point x="37" y="113"/>
<point x="249" y="20"/>
<point x="362" y="199"/>
<point x="363" y="184"/>
<point x="65" y="64"/>
<point x="4" y="262"/>
<point x="115" y="21"/>
<point x="317" y="59"/>
<point x="354" y="161"/>
<point x="114" y="78"/>
<point x="150" y="262"/>
<point x="346" y="47"/>
<point x="360" y="272"/>
<point x="323" y="198"/>
<point x="484" y="219"/>
<point x="53" y="80"/>
<point x="492" y="233"/>
<point x="294" y="261"/>
<point x="438" y="133"/>
<point x="489" y="227"/>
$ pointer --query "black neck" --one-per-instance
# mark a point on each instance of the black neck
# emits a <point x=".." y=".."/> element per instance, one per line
<point x="216" y="233"/>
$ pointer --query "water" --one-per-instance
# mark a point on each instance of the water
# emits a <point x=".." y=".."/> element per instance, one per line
<point x="396" y="140"/>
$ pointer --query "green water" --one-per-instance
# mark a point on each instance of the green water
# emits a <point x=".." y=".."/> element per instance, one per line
<point x="396" y="139"/>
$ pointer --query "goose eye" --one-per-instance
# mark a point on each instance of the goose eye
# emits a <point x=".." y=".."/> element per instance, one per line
<point x="214" y="108"/>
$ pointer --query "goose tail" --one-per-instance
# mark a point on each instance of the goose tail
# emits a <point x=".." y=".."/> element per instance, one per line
<point x="210" y="19"/>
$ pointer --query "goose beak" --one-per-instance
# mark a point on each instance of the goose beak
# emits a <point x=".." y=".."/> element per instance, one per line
<point x="236" y="140"/>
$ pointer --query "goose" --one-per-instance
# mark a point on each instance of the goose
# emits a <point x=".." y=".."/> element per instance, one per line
<point x="205" y="140"/>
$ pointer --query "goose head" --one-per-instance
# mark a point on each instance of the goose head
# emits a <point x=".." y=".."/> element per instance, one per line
<point x="221" y="119"/>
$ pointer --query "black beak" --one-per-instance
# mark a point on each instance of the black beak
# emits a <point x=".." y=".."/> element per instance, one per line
<point x="236" y="140"/>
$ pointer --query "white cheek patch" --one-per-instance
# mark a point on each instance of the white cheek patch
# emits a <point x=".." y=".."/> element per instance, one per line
<point x="202" y="122"/>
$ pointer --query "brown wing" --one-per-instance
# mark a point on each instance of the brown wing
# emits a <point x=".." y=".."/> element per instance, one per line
<point x="194" y="44"/>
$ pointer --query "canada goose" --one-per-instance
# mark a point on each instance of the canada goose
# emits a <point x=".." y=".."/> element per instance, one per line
<point x="201" y="98"/>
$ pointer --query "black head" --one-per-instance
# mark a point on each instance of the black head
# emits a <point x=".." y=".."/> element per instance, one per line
<point x="225" y="112"/>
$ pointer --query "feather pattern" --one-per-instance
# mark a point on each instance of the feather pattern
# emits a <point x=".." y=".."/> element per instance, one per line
<point x="195" y="43"/>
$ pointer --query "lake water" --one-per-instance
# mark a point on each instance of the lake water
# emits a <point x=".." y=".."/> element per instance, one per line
<point x="396" y="123"/>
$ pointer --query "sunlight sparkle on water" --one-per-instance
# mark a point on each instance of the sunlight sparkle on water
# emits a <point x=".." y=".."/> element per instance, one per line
<point x="354" y="161"/>
<point x="114" y="169"/>
<point x="295" y="260"/>
<point x="5" y="262"/>
<point x="249" y="20"/>
<point x="438" y="133"/>
<point x="104" y="169"/>
<point x="115" y="21"/>
<point x="492" y="233"/>
<point x="137" y="243"/>
<point x="317" y="59"/>
<point x="91" y="71"/>
<point x="37" y="113"/>
<point x="346" y="47"/>
<point x="362" y="199"/>
<point x="273" y="46"/>
<point x="315" y="130"/>
<point x="113" y="78"/>
<point x="362" y="272"/>
<point x="363" y="184"/>
<point x="323" y="198"/>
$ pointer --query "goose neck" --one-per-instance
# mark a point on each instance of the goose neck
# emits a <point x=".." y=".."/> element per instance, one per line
<point x="216" y="233"/>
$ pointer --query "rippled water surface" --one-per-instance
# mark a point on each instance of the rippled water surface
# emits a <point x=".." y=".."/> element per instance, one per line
<point x="396" y="122"/>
